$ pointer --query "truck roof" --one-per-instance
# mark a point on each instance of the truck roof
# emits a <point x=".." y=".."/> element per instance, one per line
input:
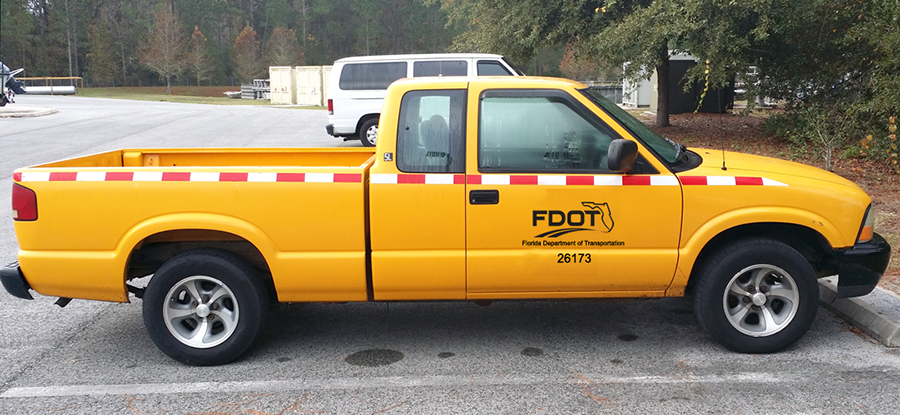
<point x="509" y="81"/>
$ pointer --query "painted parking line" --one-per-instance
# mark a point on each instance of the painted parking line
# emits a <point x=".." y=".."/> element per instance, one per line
<point x="380" y="382"/>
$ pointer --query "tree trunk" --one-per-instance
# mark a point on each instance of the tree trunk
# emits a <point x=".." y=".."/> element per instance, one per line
<point x="662" y="88"/>
<point x="69" y="39"/>
<point x="75" y="45"/>
<point x="169" y="85"/>
<point x="303" y="9"/>
<point x="124" y="63"/>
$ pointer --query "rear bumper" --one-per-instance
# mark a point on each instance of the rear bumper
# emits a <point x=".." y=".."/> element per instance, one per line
<point x="14" y="281"/>
<point x="861" y="267"/>
<point x="342" y="127"/>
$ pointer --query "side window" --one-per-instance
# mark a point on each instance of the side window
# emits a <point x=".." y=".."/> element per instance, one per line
<point x="537" y="131"/>
<point x="430" y="137"/>
<point x="491" y="68"/>
<point x="356" y="76"/>
<point x="440" y="68"/>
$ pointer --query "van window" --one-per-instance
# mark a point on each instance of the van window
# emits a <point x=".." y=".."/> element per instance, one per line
<point x="440" y="68"/>
<point x="357" y="76"/>
<point x="491" y="68"/>
<point x="430" y="138"/>
<point x="539" y="132"/>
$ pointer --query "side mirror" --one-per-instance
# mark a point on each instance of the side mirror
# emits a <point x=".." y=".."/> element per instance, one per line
<point x="622" y="155"/>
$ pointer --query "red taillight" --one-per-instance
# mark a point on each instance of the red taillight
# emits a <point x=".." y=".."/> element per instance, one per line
<point x="330" y="107"/>
<point x="24" y="203"/>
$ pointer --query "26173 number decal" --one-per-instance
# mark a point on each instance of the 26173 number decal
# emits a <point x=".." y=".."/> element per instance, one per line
<point x="573" y="258"/>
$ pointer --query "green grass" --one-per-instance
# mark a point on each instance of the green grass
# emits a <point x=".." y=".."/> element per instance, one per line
<point x="212" y="95"/>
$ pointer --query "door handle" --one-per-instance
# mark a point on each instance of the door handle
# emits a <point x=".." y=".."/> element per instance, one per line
<point x="484" y="197"/>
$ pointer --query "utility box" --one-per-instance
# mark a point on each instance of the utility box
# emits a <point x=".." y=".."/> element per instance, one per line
<point x="326" y="76"/>
<point x="282" y="85"/>
<point x="680" y="102"/>
<point x="640" y="93"/>
<point x="299" y="85"/>
<point x="309" y="85"/>
<point x="312" y="84"/>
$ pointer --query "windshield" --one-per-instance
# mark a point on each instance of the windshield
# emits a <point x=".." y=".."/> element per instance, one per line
<point x="666" y="149"/>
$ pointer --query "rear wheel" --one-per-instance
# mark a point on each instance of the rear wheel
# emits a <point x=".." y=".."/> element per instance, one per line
<point x="368" y="132"/>
<point x="205" y="307"/>
<point x="756" y="296"/>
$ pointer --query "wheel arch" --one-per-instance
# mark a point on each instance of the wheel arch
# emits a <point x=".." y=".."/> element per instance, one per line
<point x="812" y="245"/>
<point x="364" y="119"/>
<point x="155" y="241"/>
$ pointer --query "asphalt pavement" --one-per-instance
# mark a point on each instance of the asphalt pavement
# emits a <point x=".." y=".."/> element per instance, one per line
<point x="512" y="357"/>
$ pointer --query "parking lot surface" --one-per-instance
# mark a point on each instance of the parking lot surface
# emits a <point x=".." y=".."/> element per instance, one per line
<point x="520" y="357"/>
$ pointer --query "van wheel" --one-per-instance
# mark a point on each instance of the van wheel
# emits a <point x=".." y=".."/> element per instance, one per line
<point x="368" y="133"/>
<point x="756" y="296"/>
<point x="205" y="307"/>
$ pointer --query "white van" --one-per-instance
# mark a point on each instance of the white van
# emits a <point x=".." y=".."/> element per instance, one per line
<point x="357" y="85"/>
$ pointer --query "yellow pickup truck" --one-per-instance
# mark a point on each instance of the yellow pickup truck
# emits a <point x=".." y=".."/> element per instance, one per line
<point x="479" y="189"/>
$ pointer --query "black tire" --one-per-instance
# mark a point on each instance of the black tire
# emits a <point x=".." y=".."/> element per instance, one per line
<point x="368" y="132"/>
<point x="756" y="296"/>
<point x="235" y="301"/>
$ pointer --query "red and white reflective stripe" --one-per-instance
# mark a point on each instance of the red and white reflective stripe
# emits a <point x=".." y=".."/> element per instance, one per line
<point x="556" y="180"/>
<point x="196" y="176"/>
<point x="417" y="179"/>
<point x="535" y="180"/>
<point x="548" y="180"/>
<point x="728" y="181"/>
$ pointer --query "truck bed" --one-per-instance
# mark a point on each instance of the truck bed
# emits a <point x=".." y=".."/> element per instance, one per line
<point x="108" y="212"/>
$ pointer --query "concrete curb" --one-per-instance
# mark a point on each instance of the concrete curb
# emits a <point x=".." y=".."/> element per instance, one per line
<point x="877" y="314"/>
<point x="17" y="111"/>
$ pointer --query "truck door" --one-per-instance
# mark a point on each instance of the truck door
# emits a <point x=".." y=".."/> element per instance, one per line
<point x="544" y="215"/>
<point x="417" y="198"/>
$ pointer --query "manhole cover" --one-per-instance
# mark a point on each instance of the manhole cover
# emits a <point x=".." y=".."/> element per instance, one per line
<point x="374" y="357"/>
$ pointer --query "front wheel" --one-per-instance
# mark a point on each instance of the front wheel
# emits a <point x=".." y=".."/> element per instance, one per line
<point x="205" y="307"/>
<point x="368" y="132"/>
<point x="756" y="296"/>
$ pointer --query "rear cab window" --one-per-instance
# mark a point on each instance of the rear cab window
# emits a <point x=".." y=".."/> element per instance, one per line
<point x="431" y="134"/>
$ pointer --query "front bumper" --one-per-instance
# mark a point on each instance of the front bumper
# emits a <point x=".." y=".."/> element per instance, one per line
<point x="14" y="281"/>
<point x="861" y="267"/>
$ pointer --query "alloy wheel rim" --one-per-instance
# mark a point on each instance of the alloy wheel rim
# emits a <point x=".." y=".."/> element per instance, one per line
<point x="761" y="300"/>
<point x="201" y="312"/>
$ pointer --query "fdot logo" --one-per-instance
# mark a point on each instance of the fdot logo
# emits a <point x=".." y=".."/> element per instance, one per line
<point x="577" y="220"/>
